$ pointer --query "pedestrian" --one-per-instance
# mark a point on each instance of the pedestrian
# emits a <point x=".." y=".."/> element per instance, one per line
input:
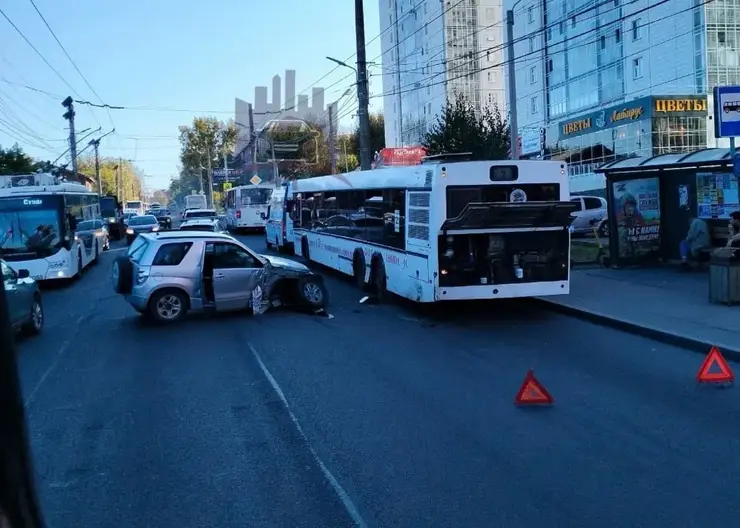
<point x="697" y="240"/>
<point x="734" y="239"/>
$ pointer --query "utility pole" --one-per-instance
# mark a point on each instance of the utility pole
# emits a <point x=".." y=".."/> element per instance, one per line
<point x="362" y="95"/>
<point x="95" y="144"/>
<point x="275" y="171"/>
<point x="251" y="122"/>
<point x="69" y="115"/>
<point x="332" y="148"/>
<point x="210" y="178"/>
<point x="399" y="97"/>
<point x="514" y="133"/>
<point x="119" y="187"/>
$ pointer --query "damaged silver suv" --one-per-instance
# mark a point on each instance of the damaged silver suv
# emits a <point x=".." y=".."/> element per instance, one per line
<point x="164" y="275"/>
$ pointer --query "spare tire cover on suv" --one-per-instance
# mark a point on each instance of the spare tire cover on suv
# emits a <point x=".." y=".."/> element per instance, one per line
<point x="123" y="275"/>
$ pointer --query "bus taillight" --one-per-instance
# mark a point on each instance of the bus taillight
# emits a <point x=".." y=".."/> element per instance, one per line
<point x="238" y="213"/>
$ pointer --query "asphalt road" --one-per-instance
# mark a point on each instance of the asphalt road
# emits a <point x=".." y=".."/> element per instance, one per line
<point x="397" y="417"/>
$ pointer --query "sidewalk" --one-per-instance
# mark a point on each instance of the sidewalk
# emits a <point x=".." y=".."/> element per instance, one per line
<point x="664" y="304"/>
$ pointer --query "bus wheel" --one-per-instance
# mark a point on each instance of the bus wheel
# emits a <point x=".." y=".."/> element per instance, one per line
<point x="304" y="248"/>
<point x="358" y="268"/>
<point x="378" y="278"/>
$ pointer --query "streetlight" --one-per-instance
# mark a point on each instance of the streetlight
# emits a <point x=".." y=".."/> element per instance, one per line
<point x="332" y="146"/>
<point x="363" y="103"/>
<point x="342" y="63"/>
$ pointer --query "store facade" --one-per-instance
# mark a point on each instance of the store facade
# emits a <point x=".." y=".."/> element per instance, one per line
<point x="645" y="127"/>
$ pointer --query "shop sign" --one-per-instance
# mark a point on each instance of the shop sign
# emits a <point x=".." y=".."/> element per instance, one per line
<point x="680" y="105"/>
<point x="627" y="114"/>
<point x="575" y="127"/>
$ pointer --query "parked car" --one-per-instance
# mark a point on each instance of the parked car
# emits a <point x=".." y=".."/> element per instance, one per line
<point x="24" y="300"/>
<point x="165" y="275"/>
<point x="591" y="208"/>
<point x="140" y="224"/>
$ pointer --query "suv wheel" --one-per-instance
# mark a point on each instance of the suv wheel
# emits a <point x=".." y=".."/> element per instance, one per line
<point x="168" y="306"/>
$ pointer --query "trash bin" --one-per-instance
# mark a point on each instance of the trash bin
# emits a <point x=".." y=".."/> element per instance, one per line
<point x="724" y="276"/>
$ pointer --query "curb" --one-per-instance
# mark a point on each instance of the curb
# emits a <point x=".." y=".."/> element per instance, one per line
<point x="678" y="340"/>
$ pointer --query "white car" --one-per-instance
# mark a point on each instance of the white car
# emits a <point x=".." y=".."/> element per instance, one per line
<point x="212" y="225"/>
<point x="592" y="209"/>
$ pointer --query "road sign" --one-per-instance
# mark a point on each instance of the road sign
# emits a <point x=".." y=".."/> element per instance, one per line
<point x="727" y="111"/>
<point x="255" y="180"/>
<point x="715" y="369"/>
<point x="532" y="392"/>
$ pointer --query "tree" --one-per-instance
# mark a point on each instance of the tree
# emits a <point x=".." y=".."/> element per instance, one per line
<point x="130" y="186"/>
<point x="377" y="136"/>
<point x="460" y="129"/>
<point x="15" y="161"/>
<point x="206" y="137"/>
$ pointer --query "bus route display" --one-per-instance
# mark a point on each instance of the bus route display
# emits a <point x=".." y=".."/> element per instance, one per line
<point x="716" y="195"/>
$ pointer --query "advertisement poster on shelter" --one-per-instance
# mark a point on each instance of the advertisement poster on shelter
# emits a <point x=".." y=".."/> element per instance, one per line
<point x="716" y="195"/>
<point x="637" y="208"/>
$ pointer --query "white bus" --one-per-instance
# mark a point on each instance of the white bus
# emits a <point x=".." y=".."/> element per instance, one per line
<point x="134" y="206"/>
<point x="39" y="229"/>
<point x="246" y="206"/>
<point x="443" y="230"/>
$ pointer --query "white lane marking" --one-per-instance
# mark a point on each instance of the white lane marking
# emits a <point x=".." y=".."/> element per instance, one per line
<point x="352" y="510"/>
<point x="52" y="366"/>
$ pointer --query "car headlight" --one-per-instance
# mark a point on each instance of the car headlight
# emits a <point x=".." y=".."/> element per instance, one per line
<point x="129" y="231"/>
<point x="155" y="228"/>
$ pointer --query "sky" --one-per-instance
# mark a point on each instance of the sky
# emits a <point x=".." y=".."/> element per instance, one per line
<point x="165" y="62"/>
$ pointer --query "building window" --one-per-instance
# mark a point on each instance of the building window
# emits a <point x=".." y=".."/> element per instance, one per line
<point x="490" y="13"/>
<point x="426" y="29"/>
<point x="490" y="76"/>
<point x="533" y="75"/>
<point x="490" y="98"/>
<point x="637" y="68"/>
<point x="562" y="27"/>
<point x="531" y="44"/>
<point x="530" y="14"/>
<point x="603" y="42"/>
<point x="573" y="21"/>
<point x="636" y="33"/>
<point x="618" y="35"/>
<point x="534" y="105"/>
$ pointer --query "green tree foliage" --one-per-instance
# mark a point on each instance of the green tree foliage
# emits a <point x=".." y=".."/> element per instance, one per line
<point x="377" y="136"/>
<point x="161" y="196"/>
<point x="207" y="136"/>
<point x="15" y="161"/>
<point x="130" y="188"/>
<point x="460" y="129"/>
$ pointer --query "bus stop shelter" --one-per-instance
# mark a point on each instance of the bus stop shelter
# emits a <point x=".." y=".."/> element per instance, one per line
<point x="652" y="199"/>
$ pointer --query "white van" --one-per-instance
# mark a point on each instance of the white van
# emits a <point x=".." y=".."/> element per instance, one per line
<point x="279" y="225"/>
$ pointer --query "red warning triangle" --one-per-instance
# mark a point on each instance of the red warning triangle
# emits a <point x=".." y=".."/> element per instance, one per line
<point x="532" y="391"/>
<point x="715" y="369"/>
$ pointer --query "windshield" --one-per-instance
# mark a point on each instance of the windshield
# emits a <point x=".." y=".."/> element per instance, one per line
<point x="198" y="227"/>
<point x="142" y="220"/>
<point x="30" y="224"/>
<point x="133" y="205"/>
<point x="201" y="214"/>
<point x="255" y="196"/>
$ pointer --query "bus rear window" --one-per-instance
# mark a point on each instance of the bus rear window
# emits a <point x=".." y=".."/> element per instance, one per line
<point x="459" y="196"/>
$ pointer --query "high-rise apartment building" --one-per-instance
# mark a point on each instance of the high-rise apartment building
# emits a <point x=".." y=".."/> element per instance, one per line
<point x="432" y="50"/>
<point x="598" y="79"/>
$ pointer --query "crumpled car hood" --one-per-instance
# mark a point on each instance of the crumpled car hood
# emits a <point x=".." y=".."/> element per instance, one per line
<point x="286" y="264"/>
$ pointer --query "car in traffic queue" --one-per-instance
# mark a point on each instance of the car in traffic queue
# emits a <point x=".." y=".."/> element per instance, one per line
<point x="23" y="296"/>
<point x="163" y="217"/>
<point x="140" y="224"/>
<point x="167" y="274"/>
<point x="88" y="230"/>
<point x="203" y="224"/>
